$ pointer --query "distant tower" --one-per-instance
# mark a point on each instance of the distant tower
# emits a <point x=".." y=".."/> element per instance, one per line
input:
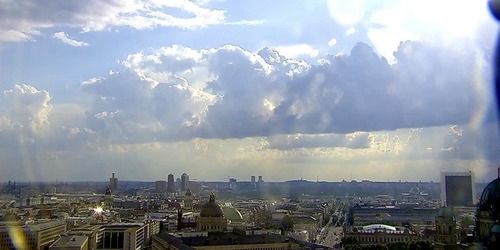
<point x="108" y="198"/>
<point x="457" y="189"/>
<point x="260" y="183"/>
<point x="179" y="219"/>
<point x="184" y="182"/>
<point x="160" y="186"/>
<point x="446" y="235"/>
<point x="232" y="183"/>
<point x="188" y="200"/>
<point x="113" y="183"/>
<point x="177" y="183"/>
<point x="170" y="184"/>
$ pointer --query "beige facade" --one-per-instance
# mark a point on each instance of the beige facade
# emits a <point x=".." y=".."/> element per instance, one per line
<point x="41" y="235"/>
<point x="32" y="236"/>
<point x="212" y="224"/>
<point x="270" y="246"/>
<point x="381" y="238"/>
<point x="159" y="243"/>
<point x="380" y="234"/>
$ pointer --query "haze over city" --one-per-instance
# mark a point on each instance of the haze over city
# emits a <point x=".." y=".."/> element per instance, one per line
<point x="325" y="90"/>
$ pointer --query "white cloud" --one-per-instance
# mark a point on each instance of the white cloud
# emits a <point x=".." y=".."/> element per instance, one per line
<point x="267" y="93"/>
<point x="347" y="13"/>
<point x="25" y="107"/>
<point x="297" y="50"/>
<point x="245" y="22"/>
<point x="291" y="141"/>
<point x="332" y="42"/>
<point x="20" y="21"/>
<point x="63" y="37"/>
<point x="350" y="31"/>
<point x="390" y="22"/>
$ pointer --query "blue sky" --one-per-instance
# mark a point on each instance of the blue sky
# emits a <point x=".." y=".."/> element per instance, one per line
<point x="285" y="89"/>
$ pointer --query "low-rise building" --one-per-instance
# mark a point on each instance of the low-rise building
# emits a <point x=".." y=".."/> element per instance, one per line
<point x="94" y="234"/>
<point x="70" y="242"/>
<point x="226" y="241"/>
<point x="36" y="235"/>
<point x="378" y="234"/>
<point x="123" y="236"/>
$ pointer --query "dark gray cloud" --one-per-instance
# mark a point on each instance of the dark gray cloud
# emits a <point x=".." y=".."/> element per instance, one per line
<point x="427" y="86"/>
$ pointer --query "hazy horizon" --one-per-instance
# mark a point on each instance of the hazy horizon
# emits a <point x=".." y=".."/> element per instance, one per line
<point x="286" y="90"/>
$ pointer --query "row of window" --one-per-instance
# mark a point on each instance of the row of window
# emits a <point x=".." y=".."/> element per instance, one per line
<point x="372" y="239"/>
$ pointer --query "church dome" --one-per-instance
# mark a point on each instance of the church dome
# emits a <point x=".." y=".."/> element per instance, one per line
<point x="211" y="209"/>
<point x="490" y="199"/>
<point x="488" y="215"/>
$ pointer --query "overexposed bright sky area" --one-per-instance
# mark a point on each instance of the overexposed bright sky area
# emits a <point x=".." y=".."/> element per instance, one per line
<point x="379" y="90"/>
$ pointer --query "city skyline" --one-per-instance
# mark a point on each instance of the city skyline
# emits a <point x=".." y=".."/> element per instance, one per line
<point x="326" y="90"/>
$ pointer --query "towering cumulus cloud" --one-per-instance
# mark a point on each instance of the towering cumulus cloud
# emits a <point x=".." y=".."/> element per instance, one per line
<point x="176" y="92"/>
<point x="24" y="108"/>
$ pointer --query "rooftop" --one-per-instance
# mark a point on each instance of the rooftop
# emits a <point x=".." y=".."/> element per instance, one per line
<point x="66" y="241"/>
<point x="220" y="239"/>
<point x="379" y="227"/>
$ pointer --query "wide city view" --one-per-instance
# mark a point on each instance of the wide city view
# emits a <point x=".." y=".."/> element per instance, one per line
<point x="249" y="124"/>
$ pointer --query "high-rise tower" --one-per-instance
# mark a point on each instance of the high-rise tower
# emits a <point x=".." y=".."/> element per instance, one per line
<point x="170" y="183"/>
<point x="184" y="182"/>
<point x="113" y="183"/>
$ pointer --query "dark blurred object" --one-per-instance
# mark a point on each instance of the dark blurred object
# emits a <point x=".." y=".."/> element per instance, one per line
<point x="495" y="10"/>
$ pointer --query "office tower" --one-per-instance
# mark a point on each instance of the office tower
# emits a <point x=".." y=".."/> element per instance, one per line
<point x="160" y="186"/>
<point x="259" y="184"/>
<point x="170" y="183"/>
<point x="457" y="189"/>
<point x="184" y="182"/>
<point x="177" y="183"/>
<point x="253" y="179"/>
<point x="113" y="183"/>
<point x="232" y="183"/>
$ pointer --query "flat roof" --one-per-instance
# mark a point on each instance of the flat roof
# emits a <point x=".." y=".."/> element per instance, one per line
<point x="221" y="239"/>
<point x="70" y="241"/>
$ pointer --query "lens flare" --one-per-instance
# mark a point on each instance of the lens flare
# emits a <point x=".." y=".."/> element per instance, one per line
<point x="98" y="210"/>
<point x="18" y="238"/>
